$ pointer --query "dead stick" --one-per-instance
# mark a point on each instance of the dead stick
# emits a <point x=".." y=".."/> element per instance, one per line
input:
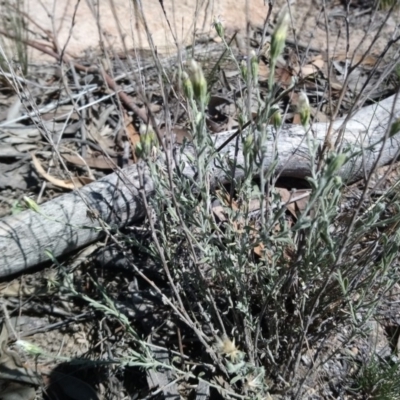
<point x="66" y="223"/>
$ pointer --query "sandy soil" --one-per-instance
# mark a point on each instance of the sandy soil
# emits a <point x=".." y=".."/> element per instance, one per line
<point x="81" y="26"/>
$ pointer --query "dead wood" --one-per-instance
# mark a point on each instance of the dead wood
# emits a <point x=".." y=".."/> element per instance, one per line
<point x="66" y="224"/>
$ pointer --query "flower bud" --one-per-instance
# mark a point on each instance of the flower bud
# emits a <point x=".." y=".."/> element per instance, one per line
<point x="395" y="128"/>
<point x="187" y="86"/>
<point x="337" y="180"/>
<point x="31" y="204"/>
<point x="198" y="82"/>
<point x="219" y="27"/>
<point x="336" y="163"/>
<point x="148" y="141"/>
<point x="276" y="119"/>
<point x="243" y="70"/>
<point x="397" y="70"/>
<point x="303" y="108"/>
<point x="254" y="66"/>
<point x="30" y="348"/>
<point x="241" y="119"/>
<point x="248" y="143"/>
<point x="280" y="33"/>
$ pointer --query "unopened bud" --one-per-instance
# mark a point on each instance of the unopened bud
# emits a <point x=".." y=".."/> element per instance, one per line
<point x="219" y="27"/>
<point x="243" y="70"/>
<point x="198" y="82"/>
<point x="395" y="128"/>
<point x="248" y="143"/>
<point x="187" y="86"/>
<point x="280" y="33"/>
<point x="148" y="141"/>
<point x="276" y="119"/>
<point x="397" y="71"/>
<point x="30" y="348"/>
<point x="337" y="180"/>
<point x="254" y="66"/>
<point x="303" y="108"/>
<point x="31" y="204"/>
<point x="336" y="163"/>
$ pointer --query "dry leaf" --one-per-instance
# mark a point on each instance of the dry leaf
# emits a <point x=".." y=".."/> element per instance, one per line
<point x="132" y="134"/>
<point x="309" y="69"/>
<point x="231" y="74"/>
<point x="16" y="289"/>
<point x="101" y="137"/>
<point x="284" y="194"/>
<point x="100" y="162"/>
<point x="369" y="60"/>
<point x="224" y="197"/>
<point x="263" y="71"/>
<point x="283" y="76"/>
<point x="259" y="250"/>
<point x="220" y="213"/>
<point x="301" y="198"/>
<point x="319" y="116"/>
<point x="179" y="134"/>
<point x="74" y="183"/>
<point x="14" y="110"/>
<point x="294" y="201"/>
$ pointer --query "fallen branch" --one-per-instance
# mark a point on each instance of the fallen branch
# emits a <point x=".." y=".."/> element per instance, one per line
<point x="67" y="223"/>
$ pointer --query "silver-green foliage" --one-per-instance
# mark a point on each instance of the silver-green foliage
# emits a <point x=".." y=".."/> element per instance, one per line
<point x="315" y="276"/>
<point x="379" y="380"/>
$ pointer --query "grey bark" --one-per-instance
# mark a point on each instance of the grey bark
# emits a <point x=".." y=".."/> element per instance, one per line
<point x="65" y="225"/>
